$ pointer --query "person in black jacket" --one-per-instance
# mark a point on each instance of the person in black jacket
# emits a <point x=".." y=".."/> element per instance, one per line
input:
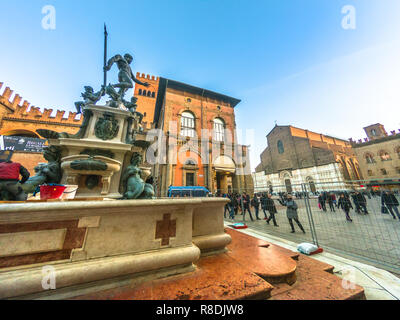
<point x="235" y="198"/>
<point x="263" y="200"/>
<point x="231" y="206"/>
<point x="330" y="202"/>
<point x="362" y="202"/>
<point x="270" y="206"/>
<point x="246" y="206"/>
<point x="322" y="201"/>
<point x="255" y="203"/>
<point x="226" y="207"/>
<point x="389" y="199"/>
<point x="345" y="204"/>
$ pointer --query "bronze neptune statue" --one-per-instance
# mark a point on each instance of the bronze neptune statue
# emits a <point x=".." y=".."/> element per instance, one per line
<point x="125" y="75"/>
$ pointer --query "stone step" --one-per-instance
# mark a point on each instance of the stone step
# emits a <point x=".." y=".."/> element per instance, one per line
<point x="314" y="264"/>
<point x="315" y="284"/>
<point x="273" y="264"/>
<point x="234" y="275"/>
<point x="248" y="241"/>
<point x="314" y="279"/>
<point x="216" y="278"/>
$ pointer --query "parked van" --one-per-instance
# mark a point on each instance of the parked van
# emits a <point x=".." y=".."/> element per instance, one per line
<point x="182" y="192"/>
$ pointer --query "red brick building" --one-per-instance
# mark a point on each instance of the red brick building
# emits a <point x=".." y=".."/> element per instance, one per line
<point x="181" y="112"/>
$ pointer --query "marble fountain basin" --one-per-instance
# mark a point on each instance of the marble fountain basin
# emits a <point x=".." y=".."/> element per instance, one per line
<point x="111" y="165"/>
<point x="76" y="166"/>
<point x="88" y="242"/>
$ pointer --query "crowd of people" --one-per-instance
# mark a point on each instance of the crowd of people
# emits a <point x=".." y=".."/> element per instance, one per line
<point x="389" y="202"/>
<point x="244" y="203"/>
<point x="264" y="204"/>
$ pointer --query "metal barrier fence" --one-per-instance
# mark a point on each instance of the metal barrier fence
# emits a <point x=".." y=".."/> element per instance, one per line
<point x="370" y="233"/>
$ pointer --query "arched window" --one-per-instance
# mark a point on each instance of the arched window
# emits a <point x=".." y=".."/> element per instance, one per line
<point x="281" y="149"/>
<point x="153" y="94"/>
<point x="187" y="124"/>
<point x="358" y="171"/>
<point x="384" y="172"/>
<point x="384" y="155"/>
<point x="369" y="158"/>
<point x="351" y="170"/>
<point x="140" y="92"/>
<point x="144" y="92"/>
<point x="149" y="93"/>
<point x="219" y="129"/>
<point x="343" y="168"/>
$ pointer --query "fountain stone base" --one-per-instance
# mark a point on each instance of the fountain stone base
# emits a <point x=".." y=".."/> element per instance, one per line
<point x="82" y="242"/>
<point x="95" y="159"/>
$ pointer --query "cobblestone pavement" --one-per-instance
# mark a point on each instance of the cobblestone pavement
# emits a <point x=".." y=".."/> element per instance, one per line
<point x="373" y="238"/>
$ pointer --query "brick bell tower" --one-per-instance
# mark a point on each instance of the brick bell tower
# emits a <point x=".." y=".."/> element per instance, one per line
<point x="375" y="131"/>
<point x="147" y="96"/>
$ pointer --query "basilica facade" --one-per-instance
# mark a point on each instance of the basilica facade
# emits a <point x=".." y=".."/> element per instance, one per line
<point x="296" y="156"/>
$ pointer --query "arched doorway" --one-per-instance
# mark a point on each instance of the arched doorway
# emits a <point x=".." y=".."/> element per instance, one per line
<point x="288" y="185"/>
<point x="286" y="177"/>
<point x="311" y="184"/>
<point x="270" y="188"/>
<point x="225" y="169"/>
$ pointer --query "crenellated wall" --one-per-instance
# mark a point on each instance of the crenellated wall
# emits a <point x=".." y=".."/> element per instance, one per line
<point x="24" y="119"/>
<point x="379" y="155"/>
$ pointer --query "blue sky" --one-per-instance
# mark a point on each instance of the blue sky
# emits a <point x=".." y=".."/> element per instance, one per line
<point x="289" y="61"/>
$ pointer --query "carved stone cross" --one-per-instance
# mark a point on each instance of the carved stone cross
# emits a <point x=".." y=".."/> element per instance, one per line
<point x="166" y="229"/>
